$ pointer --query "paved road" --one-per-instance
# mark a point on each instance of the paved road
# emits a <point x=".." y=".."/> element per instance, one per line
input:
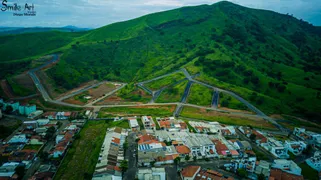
<point x="159" y="77"/>
<point x="215" y="99"/>
<point x="131" y="156"/>
<point x="186" y="91"/>
<point x="37" y="82"/>
<point x="188" y="76"/>
<point x="80" y="91"/>
<point x="145" y="88"/>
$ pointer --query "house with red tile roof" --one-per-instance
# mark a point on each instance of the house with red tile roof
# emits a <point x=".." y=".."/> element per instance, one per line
<point x="212" y="175"/>
<point x="278" y="174"/>
<point x="183" y="150"/>
<point x="190" y="172"/>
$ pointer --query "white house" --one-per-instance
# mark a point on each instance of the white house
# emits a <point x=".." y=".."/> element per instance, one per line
<point x="276" y="148"/>
<point x="296" y="147"/>
<point x="246" y="163"/>
<point x="148" y="122"/>
<point x="151" y="174"/>
<point x="315" y="161"/>
<point x="287" y="166"/>
<point x="263" y="168"/>
<point x="200" y="146"/>
<point x="21" y="138"/>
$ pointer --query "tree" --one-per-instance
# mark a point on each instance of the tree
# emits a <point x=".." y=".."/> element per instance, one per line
<point x="252" y="137"/>
<point x="187" y="158"/>
<point x="242" y="173"/>
<point x="44" y="155"/>
<point x="50" y="133"/>
<point x="194" y="158"/>
<point x="20" y="171"/>
<point x="123" y="165"/>
<point x="308" y="150"/>
<point x="8" y="110"/>
<point x="137" y="139"/>
<point x="177" y="160"/>
<point x="261" y="177"/>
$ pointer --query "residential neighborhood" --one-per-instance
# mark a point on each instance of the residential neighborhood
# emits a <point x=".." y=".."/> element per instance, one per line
<point x="158" y="148"/>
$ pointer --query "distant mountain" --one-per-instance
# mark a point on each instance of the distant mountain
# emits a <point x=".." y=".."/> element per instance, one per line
<point x="21" y="30"/>
<point x="271" y="59"/>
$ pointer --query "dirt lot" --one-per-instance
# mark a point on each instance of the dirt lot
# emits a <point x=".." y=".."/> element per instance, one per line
<point x="236" y="110"/>
<point x="6" y="89"/>
<point x="25" y="81"/>
<point x="94" y="93"/>
<point x="136" y="97"/>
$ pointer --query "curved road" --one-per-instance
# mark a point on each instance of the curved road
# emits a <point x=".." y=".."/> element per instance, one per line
<point x="178" y="109"/>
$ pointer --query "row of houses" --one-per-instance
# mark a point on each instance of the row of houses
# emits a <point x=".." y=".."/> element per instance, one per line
<point x="171" y="124"/>
<point x="212" y="128"/>
<point x="111" y="154"/>
<point x="21" y="149"/>
<point x="277" y="148"/>
<point x="60" y="115"/>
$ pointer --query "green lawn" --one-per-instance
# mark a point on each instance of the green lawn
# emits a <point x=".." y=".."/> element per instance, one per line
<point x="166" y="81"/>
<point x="133" y="93"/>
<point x="32" y="147"/>
<point x="141" y="125"/>
<point x="291" y="122"/>
<point x="200" y="95"/>
<point x="137" y="110"/>
<point x="172" y="93"/>
<point x="210" y="115"/>
<point x="308" y="172"/>
<point x="82" y="157"/>
<point x="81" y="97"/>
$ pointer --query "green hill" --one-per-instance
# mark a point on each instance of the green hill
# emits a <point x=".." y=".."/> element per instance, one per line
<point x="271" y="59"/>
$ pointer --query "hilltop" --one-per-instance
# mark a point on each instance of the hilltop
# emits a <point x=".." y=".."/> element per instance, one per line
<point x="271" y="59"/>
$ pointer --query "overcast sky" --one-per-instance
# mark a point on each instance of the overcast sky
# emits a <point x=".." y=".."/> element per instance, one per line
<point x="97" y="13"/>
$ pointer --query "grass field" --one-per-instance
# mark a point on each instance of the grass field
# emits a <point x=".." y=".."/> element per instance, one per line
<point x="130" y="94"/>
<point x="166" y="81"/>
<point x="137" y="110"/>
<point x="209" y="115"/>
<point x="19" y="89"/>
<point x="82" y="157"/>
<point x="172" y="94"/>
<point x="230" y="102"/>
<point x="308" y="172"/>
<point x="200" y="95"/>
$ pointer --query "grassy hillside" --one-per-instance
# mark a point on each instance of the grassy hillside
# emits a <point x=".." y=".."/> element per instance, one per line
<point x="271" y="59"/>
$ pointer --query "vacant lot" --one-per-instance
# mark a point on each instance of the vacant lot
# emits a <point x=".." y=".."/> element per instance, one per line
<point x="137" y="110"/>
<point x="130" y="94"/>
<point x="210" y="115"/>
<point x="172" y="93"/>
<point x="82" y="157"/>
<point x="200" y="95"/>
<point x="308" y="172"/>
<point x="292" y="122"/>
<point x="22" y="85"/>
<point x="92" y="94"/>
<point x="166" y="81"/>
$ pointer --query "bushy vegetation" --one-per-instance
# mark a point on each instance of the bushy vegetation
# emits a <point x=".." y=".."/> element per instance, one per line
<point x="166" y="81"/>
<point x="133" y="93"/>
<point x="139" y="110"/>
<point x="172" y="93"/>
<point x="200" y="95"/>
<point x="228" y="101"/>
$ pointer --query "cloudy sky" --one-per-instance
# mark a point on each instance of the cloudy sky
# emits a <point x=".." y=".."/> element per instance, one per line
<point x="97" y="13"/>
